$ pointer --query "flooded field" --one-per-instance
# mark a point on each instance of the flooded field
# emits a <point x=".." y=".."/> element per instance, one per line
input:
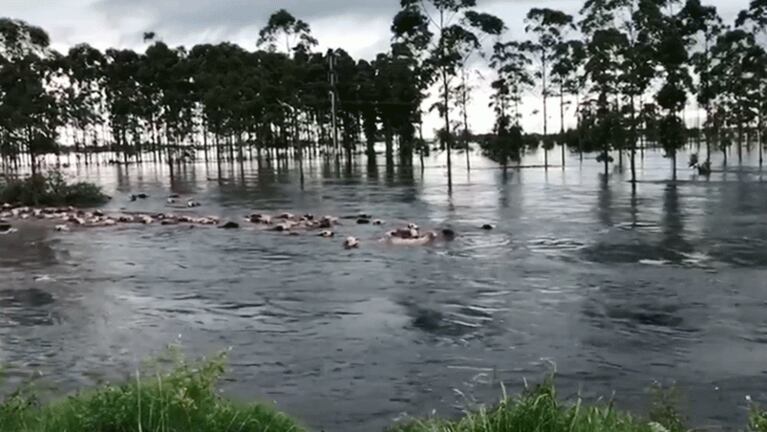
<point x="614" y="289"/>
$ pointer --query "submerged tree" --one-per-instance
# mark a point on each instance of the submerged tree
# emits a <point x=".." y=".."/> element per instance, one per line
<point x="755" y="19"/>
<point x="29" y="106"/>
<point x="568" y="79"/>
<point x="734" y="83"/>
<point x="672" y="57"/>
<point x="639" y="61"/>
<point x="84" y="68"/>
<point x="512" y="64"/>
<point x="605" y="45"/>
<point x="705" y="22"/>
<point x="549" y="27"/>
<point x="444" y="32"/>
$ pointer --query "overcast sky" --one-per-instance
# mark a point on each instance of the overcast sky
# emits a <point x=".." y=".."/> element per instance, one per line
<point x="361" y="27"/>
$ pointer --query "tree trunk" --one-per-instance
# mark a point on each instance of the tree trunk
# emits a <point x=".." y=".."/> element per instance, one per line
<point x="422" y="143"/>
<point x="446" y="101"/>
<point x="545" y="112"/>
<point x="562" y="123"/>
<point x="205" y="140"/>
<point x="759" y="134"/>
<point x="633" y="142"/>
<point x="740" y="144"/>
<point x="371" y="151"/>
<point x="708" y="136"/>
<point x="464" y="102"/>
<point x="620" y="159"/>
<point x="169" y="150"/>
<point x="673" y="162"/>
<point x="389" y="142"/>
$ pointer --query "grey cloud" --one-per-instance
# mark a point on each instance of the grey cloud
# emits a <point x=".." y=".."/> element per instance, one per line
<point x="228" y="17"/>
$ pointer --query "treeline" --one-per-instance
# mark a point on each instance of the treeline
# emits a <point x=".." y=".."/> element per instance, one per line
<point x="633" y="67"/>
<point x="222" y="98"/>
<point x="625" y="70"/>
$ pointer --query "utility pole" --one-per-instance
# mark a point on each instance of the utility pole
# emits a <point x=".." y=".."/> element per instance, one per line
<point x="332" y="61"/>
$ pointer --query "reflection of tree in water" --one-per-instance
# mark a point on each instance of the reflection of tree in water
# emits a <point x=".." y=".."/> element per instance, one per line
<point x="25" y="307"/>
<point x="733" y="224"/>
<point x="631" y="242"/>
<point x="672" y="241"/>
<point x="604" y="201"/>
<point x="453" y="319"/>
<point x="372" y="167"/>
<point x="504" y="179"/>
<point x="406" y="182"/>
<point x="30" y="247"/>
<point x="627" y="314"/>
<point x="123" y="178"/>
<point x="634" y="207"/>
<point x="389" y="172"/>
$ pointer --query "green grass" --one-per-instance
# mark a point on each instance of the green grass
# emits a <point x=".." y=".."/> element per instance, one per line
<point x="758" y="420"/>
<point x="185" y="399"/>
<point x="182" y="400"/>
<point x="50" y="189"/>
<point x="540" y="410"/>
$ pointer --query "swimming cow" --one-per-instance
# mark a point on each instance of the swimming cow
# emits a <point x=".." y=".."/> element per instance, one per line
<point x="351" y="243"/>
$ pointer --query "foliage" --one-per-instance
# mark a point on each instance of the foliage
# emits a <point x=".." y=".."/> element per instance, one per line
<point x="442" y="35"/>
<point x="171" y="394"/>
<point x="758" y="420"/>
<point x="505" y="144"/>
<point x="165" y="101"/>
<point x="50" y="189"/>
<point x="511" y="62"/>
<point x="664" y="409"/>
<point x="183" y="399"/>
<point x="549" y="28"/>
<point x="283" y="22"/>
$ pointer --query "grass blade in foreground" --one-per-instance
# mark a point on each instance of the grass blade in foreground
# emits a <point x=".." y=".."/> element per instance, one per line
<point x="182" y="400"/>
<point x="540" y="411"/>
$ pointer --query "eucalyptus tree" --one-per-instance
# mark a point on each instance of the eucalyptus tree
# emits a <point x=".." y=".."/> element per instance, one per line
<point x="295" y="33"/>
<point x="298" y="39"/>
<point x="672" y="39"/>
<point x="167" y="73"/>
<point x="84" y="68"/>
<point x="209" y="64"/>
<point x="444" y="33"/>
<point x="512" y="65"/>
<point x="735" y="83"/>
<point x="398" y="99"/>
<point x="505" y="144"/>
<point x="638" y="20"/>
<point x="755" y="19"/>
<point x="463" y="97"/>
<point x="365" y="79"/>
<point x="315" y="90"/>
<point x="29" y="111"/>
<point x="705" y="23"/>
<point x="756" y="67"/>
<point x="348" y="99"/>
<point x="412" y="79"/>
<point x="549" y="28"/>
<point x="605" y="45"/>
<point x="124" y="99"/>
<point x="567" y="77"/>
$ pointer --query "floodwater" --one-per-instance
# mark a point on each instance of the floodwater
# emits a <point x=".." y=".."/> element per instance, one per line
<point x="613" y="289"/>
